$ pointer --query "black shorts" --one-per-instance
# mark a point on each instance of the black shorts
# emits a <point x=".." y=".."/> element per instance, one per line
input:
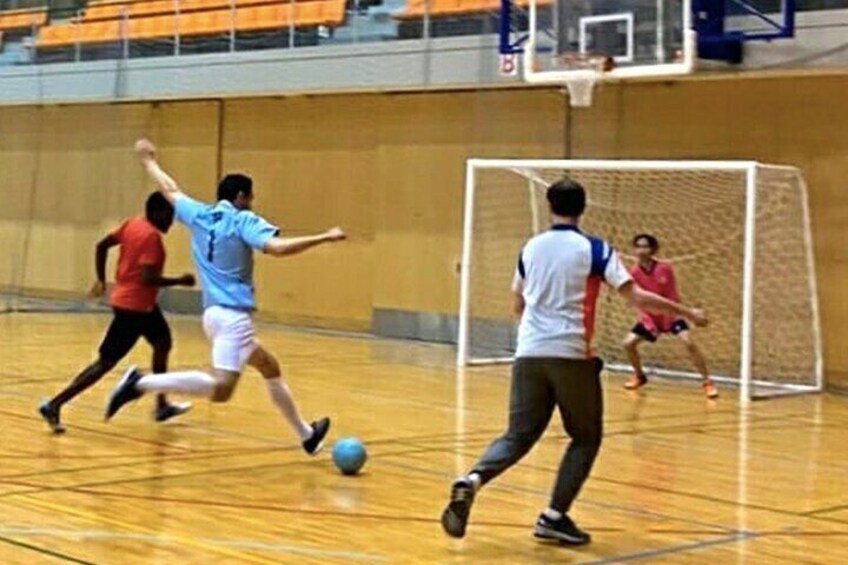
<point x="128" y="326"/>
<point x="677" y="327"/>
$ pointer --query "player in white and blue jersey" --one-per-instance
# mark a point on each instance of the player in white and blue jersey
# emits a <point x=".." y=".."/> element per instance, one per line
<point x="224" y="237"/>
<point x="557" y="279"/>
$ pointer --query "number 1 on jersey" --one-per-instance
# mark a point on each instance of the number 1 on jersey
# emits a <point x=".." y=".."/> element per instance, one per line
<point x="210" y="254"/>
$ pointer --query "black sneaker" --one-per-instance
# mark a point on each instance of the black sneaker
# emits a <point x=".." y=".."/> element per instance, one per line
<point x="455" y="516"/>
<point x="313" y="445"/>
<point x="125" y="392"/>
<point x="51" y="416"/>
<point x="563" y="530"/>
<point x="165" y="412"/>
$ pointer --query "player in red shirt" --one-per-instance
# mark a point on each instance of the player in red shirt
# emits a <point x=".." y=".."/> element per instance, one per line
<point x="133" y="300"/>
<point x="658" y="277"/>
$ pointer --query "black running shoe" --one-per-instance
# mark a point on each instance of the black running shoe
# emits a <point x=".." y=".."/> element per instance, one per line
<point x="51" y="416"/>
<point x="455" y="516"/>
<point x="563" y="530"/>
<point x="313" y="445"/>
<point x="165" y="412"/>
<point x="125" y="392"/>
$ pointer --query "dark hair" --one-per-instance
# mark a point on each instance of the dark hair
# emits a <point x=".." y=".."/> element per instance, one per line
<point x="653" y="242"/>
<point x="231" y="185"/>
<point x="156" y="203"/>
<point x="567" y="198"/>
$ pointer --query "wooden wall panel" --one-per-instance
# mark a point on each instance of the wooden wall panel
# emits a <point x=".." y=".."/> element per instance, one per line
<point x="389" y="168"/>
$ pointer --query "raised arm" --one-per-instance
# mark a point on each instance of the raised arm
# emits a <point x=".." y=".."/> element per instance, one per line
<point x="146" y="152"/>
<point x="656" y="304"/>
<point x="283" y="246"/>
<point x="101" y="253"/>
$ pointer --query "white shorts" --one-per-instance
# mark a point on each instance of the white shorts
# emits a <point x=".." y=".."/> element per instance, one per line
<point x="232" y="335"/>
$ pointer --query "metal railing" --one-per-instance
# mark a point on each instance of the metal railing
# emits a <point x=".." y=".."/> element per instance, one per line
<point x="360" y="22"/>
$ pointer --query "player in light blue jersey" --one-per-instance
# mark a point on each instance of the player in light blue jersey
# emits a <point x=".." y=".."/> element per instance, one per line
<point x="224" y="237"/>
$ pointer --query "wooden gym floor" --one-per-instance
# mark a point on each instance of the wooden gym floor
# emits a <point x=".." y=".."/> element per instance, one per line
<point x="678" y="480"/>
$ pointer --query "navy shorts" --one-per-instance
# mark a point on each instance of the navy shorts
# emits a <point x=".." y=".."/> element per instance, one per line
<point x="128" y="327"/>
<point x="677" y="327"/>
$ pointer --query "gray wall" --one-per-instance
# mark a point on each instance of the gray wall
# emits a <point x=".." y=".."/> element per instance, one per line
<point x="399" y="65"/>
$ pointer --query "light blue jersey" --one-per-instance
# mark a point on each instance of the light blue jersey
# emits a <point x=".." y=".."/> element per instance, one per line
<point x="222" y="242"/>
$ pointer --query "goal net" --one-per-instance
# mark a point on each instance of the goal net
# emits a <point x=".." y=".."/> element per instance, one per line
<point x="737" y="234"/>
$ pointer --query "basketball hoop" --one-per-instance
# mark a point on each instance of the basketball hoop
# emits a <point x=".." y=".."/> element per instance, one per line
<point x="580" y="90"/>
<point x="586" y="69"/>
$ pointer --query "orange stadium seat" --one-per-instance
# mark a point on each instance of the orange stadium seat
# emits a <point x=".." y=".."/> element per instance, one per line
<point x="303" y="13"/>
<point x="442" y="8"/>
<point x="22" y="19"/>
<point x="116" y="10"/>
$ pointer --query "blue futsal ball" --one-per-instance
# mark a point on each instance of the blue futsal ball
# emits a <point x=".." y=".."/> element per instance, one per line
<point x="349" y="455"/>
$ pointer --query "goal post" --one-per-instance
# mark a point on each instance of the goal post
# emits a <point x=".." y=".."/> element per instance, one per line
<point x="737" y="233"/>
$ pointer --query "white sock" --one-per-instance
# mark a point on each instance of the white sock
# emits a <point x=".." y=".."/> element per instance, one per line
<point x="282" y="397"/>
<point x="552" y="514"/>
<point x="475" y="480"/>
<point x="192" y="383"/>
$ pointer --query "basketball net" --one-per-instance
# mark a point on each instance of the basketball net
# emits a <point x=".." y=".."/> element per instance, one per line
<point x="587" y="69"/>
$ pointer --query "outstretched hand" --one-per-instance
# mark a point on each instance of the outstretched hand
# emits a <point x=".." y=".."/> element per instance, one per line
<point x="336" y="234"/>
<point x="699" y="317"/>
<point x="145" y="149"/>
<point x="187" y="280"/>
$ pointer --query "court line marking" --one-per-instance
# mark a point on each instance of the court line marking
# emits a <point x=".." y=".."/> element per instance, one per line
<point x="132" y="464"/>
<point x="683" y="494"/>
<point x="635" y="485"/>
<point x="70" y="511"/>
<point x="639" y="432"/>
<point x="212" y="430"/>
<point x="653" y="488"/>
<point x="276" y="442"/>
<point x="825" y="510"/>
<point x="301" y="550"/>
<point x="727" y="411"/>
<point x="674" y="549"/>
<point x="45" y="551"/>
<point x="632" y="557"/>
<point x="801" y="534"/>
<point x="81" y="487"/>
<point x="31" y="488"/>
<point x="89" y="488"/>
<point x="308" y="512"/>
<point x="717" y="528"/>
<point x="77" y="534"/>
<point x="253" y="506"/>
<point x="127" y="437"/>
<point x="136" y="459"/>
<point x="186" y="454"/>
<point x="168" y="539"/>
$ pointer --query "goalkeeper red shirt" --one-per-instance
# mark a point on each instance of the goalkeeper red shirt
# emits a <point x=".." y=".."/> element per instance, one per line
<point x="659" y="279"/>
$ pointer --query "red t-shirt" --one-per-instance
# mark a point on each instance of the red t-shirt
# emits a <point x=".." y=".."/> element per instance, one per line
<point x="659" y="279"/>
<point x="141" y="245"/>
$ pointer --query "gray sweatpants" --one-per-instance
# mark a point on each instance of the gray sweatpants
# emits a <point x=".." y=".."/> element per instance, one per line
<point x="538" y="385"/>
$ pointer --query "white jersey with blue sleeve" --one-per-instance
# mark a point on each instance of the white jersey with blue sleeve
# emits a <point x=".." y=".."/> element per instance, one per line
<point x="559" y="275"/>
<point x="222" y="242"/>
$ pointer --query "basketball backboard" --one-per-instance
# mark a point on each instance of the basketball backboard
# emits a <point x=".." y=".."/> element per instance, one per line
<point x="579" y="40"/>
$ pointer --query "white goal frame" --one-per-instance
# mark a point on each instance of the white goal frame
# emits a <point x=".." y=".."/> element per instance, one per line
<point x="749" y="168"/>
